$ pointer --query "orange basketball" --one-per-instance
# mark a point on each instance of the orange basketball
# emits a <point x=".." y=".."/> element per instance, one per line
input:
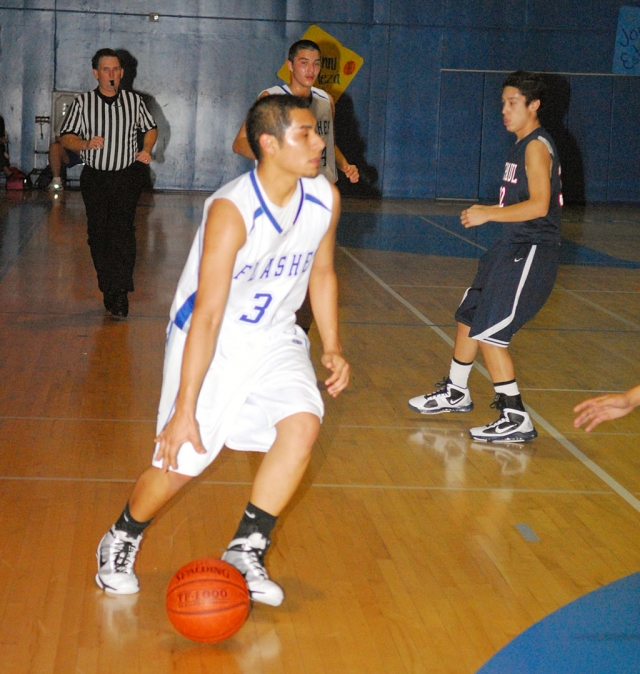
<point x="349" y="68"/>
<point x="207" y="600"/>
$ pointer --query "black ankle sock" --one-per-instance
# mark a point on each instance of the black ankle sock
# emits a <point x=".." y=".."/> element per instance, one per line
<point x="502" y="401"/>
<point x="515" y="402"/>
<point x="127" y="523"/>
<point x="255" y="519"/>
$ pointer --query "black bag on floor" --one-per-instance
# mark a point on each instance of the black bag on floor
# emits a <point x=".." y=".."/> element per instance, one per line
<point x="45" y="177"/>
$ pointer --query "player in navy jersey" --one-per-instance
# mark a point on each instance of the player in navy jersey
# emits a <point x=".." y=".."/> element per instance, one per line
<point x="515" y="276"/>
<point x="237" y="370"/>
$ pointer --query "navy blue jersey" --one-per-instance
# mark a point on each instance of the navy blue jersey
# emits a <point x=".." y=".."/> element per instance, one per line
<point x="515" y="189"/>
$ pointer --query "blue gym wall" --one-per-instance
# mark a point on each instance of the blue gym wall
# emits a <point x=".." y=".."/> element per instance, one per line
<point x="422" y="117"/>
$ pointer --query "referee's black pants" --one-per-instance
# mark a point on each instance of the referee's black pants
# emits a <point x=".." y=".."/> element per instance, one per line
<point x="110" y="199"/>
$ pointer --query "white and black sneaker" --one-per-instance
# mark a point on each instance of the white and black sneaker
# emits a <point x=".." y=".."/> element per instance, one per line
<point x="247" y="555"/>
<point x="513" y="425"/>
<point x="447" y="398"/>
<point x="116" y="556"/>
<point x="56" y="185"/>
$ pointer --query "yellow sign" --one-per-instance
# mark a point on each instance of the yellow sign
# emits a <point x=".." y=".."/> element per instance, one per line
<point x="339" y="65"/>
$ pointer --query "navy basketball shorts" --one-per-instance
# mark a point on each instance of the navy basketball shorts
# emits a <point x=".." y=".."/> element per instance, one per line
<point x="74" y="159"/>
<point x="511" y="286"/>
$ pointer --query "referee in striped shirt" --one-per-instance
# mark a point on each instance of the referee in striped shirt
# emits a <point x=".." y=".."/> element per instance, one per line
<point x="102" y="127"/>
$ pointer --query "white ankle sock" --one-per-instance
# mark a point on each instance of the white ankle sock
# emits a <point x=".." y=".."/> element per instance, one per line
<point x="459" y="373"/>
<point x="509" y="388"/>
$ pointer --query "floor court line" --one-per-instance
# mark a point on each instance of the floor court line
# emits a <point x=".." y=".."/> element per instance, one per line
<point x="595" y="305"/>
<point x="573" y="293"/>
<point x="90" y="313"/>
<point x="420" y="423"/>
<point x="602" y="433"/>
<point x="570" y="447"/>
<point x="75" y="419"/>
<point x="452" y="326"/>
<point x="604" y="292"/>
<point x="448" y="231"/>
<point x="556" y="289"/>
<point x="569" y="390"/>
<point x="322" y="485"/>
<point x="412" y="285"/>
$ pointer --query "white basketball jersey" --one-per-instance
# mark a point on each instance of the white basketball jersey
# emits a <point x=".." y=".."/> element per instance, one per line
<point x="321" y="108"/>
<point x="271" y="271"/>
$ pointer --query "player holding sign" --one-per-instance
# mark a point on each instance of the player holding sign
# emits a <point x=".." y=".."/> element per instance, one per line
<point x="303" y="62"/>
<point x="237" y="369"/>
<point x="515" y="276"/>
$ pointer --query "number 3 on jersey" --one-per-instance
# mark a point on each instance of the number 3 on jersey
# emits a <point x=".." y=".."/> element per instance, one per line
<point x="263" y="300"/>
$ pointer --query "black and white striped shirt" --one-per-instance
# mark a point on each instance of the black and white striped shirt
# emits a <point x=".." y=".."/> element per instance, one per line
<point x="116" y="119"/>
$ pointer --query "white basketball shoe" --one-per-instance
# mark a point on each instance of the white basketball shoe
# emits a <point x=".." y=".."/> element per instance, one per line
<point x="513" y="425"/>
<point x="247" y="555"/>
<point x="116" y="556"/>
<point x="446" y="398"/>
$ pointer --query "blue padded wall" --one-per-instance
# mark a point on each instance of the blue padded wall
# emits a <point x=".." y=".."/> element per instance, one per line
<point x="590" y="126"/>
<point x="582" y="120"/>
<point x="624" y="168"/>
<point x="417" y="12"/>
<point x="409" y="117"/>
<point x="459" y="134"/>
<point x="475" y="14"/>
<point x="26" y="71"/>
<point x="185" y="65"/>
<point x="273" y="10"/>
<point x="412" y="112"/>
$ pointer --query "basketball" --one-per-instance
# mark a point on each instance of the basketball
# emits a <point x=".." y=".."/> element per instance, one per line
<point x="207" y="600"/>
<point x="349" y="68"/>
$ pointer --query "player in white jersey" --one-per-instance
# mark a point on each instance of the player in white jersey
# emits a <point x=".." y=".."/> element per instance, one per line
<point x="322" y="107"/>
<point x="237" y="369"/>
<point x="303" y="61"/>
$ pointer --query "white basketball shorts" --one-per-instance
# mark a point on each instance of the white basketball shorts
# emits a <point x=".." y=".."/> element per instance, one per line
<point x="247" y="390"/>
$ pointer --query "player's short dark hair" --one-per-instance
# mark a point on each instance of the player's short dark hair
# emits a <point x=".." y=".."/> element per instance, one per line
<point x="95" y="59"/>
<point x="301" y="44"/>
<point x="271" y="115"/>
<point x="530" y="85"/>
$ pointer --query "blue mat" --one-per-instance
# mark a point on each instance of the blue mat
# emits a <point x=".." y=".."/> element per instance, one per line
<point x="444" y="235"/>
<point x="598" y="633"/>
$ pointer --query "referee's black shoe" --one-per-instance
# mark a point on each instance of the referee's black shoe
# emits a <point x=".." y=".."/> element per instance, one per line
<point x="108" y="300"/>
<point x="117" y="303"/>
<point x="513" y="425"/>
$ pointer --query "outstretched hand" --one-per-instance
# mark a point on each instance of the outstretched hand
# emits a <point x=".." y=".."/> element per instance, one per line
<point x="603" y="408"/>
<point x="340" y="373"/>
<point x="181" y="428"/>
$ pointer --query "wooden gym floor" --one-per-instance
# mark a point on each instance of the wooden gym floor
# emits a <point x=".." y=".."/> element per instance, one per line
<point x="408" y="547"/>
